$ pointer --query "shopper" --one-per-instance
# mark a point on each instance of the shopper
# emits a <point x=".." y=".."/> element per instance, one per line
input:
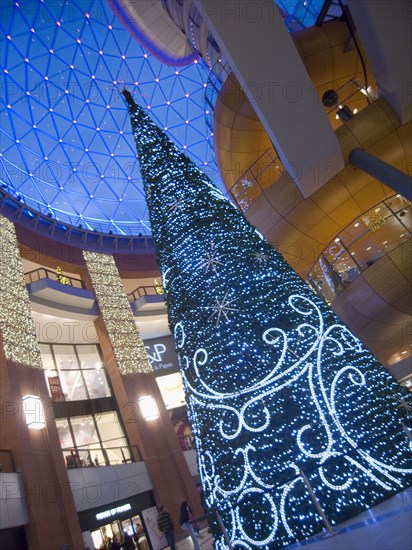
<point x="127" y="542"/>
<point x="165" y="524"/>
<point x="184" y="520"/>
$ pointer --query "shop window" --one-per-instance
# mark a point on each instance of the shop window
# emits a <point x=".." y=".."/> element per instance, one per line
<point x="74" y="372"/>
<point x="93" y="440"/>
<point x="117" y="529"/>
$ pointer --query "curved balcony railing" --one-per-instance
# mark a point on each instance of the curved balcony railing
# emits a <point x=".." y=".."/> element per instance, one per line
<point x="351" y="92"/>
<point x="145" y="291"/>
<point x="42" y="273"/>
<point x="94" y="455"/>
<point x="359" y="245"/>
<point x="258" y="177"/>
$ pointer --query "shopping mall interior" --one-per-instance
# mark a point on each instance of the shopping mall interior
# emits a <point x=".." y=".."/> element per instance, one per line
<point x="300" y="113"/>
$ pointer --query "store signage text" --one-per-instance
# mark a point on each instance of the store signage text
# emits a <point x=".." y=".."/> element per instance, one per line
<point x="155" y="353"/>
<point x="113" y="511"/>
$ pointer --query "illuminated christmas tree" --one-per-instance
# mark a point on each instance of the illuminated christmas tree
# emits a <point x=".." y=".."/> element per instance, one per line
<point x="282" y="398"/>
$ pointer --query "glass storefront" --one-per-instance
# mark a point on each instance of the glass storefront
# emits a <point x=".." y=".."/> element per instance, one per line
<point x="74" y="372"/>
<point x="116" y="529"/>
<point x="135" y="516"/>
<point x="93" y="440"/>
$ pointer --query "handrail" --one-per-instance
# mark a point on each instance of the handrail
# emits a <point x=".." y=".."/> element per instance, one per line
<point x="248" y="187"/>
<point x="75" y="460"/>
<point x="357" y="88"/>
<point x="37" y="275"/>
<point x="326" y="279"/>
<point x="141" y="291"/>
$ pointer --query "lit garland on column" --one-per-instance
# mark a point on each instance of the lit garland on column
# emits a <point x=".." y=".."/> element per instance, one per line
<point x="16" y="323"/>
<point x="117" y="315"/>
<point x="276" y="386"/>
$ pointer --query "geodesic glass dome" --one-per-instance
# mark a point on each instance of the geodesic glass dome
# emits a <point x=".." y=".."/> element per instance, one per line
<point x="66" y="144"/>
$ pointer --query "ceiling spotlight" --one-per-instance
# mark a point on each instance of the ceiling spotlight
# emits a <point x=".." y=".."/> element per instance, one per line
<point x="344" y="113"/>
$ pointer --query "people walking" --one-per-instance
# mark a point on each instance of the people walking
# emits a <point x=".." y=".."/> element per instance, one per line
<point x="185" y="521"/>
<point x="165" y="525"/>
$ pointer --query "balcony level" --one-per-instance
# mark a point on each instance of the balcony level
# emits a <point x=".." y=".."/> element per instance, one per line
<point x="53" y="292"/>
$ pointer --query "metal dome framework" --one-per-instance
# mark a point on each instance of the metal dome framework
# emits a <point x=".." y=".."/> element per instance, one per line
<point x="66" y="144"/>
<point x="67" y="150"/>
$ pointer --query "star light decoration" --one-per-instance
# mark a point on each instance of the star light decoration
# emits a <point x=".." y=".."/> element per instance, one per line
<point x="279" y="392"/>
<point x="222" y="308"/>
<point x="212" y="260"/>
<point x="177" y="206"/>
<point x="117" y="315"/>
<point x="16" y="322"/>
<point x="260" y="257"/>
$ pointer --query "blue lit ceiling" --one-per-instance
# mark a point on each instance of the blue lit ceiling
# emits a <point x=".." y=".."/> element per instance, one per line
<point x="66" y="143"/>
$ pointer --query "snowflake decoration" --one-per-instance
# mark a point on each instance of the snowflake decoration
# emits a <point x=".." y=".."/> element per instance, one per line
<point x="222" y="308"/>
<point x="212" y="259"/>
<point x="402" y="403"/>
<point x="176" y="206"/>
<point x="260" y="257"/>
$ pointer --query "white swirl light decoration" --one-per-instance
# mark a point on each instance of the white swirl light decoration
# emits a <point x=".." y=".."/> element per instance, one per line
<point x="249" y="467"/>
<point x="270" y="338"/>
<point x="207" y="473"/>
<point x="332" y="406"/>
<point x="265" y="411"/>
<point x="273" y="512"/>
<point x="179" y="335"/>
<point x="335" y="487"/>
<point x="277" y="365"/>
<point x="207" y="401"/>
<point x="165" y="277"/>
<point x="384" y="468"/>
<point x="287" y="489"/>
<point x="324" y="455"/>
<point x="369" y="473"/>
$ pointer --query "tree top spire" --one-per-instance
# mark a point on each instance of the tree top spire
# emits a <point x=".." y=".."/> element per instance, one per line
<point x="129" y="99"/>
